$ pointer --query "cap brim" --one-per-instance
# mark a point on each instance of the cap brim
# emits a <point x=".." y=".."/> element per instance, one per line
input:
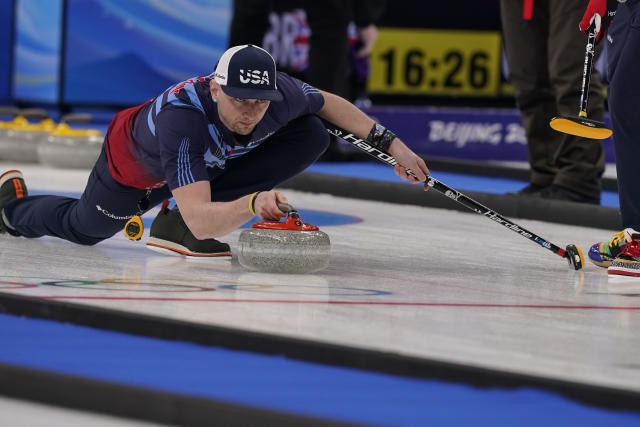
<point x="251" y="93"/>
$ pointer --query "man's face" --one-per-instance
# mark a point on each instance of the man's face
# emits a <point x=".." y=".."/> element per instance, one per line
<point x="239" y="115"/>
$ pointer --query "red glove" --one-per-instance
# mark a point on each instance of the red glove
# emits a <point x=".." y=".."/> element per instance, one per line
<point x="600" y="13"/>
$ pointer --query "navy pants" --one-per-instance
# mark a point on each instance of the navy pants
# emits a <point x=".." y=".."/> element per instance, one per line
<point x="106" y="205"/>
<point x="624" y="99"/>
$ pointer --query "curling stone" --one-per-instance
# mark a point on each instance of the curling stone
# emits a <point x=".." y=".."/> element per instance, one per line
<point x="71" y="148"/>
<point x="284" y="247"/>
<point x="20" y="142"/>
<point x="7" y="111"/>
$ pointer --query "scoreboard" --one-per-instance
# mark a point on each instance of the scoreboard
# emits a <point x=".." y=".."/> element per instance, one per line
<point x="436" y="62"/>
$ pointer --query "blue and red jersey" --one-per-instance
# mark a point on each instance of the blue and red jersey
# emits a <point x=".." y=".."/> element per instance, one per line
<point x="173" y="138"/>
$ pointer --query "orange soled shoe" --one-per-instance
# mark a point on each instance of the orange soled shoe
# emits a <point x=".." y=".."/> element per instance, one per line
<point x="170" y="234"/>
<point x="11" y="187"/>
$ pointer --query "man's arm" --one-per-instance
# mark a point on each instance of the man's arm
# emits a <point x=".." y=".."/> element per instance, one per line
<point x="344" y="114"/>
<point x="207" y="219"/>
<point x="182" y="134"/>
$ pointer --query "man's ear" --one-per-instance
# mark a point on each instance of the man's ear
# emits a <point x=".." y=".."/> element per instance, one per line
<point x="214" y="87"/>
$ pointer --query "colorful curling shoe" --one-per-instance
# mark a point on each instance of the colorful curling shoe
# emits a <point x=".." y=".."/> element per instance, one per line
<point x="628" y="262"/>
<point x="601" y="254"/>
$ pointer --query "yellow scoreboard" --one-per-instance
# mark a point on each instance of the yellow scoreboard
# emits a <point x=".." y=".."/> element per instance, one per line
<point x="436" y="62"/>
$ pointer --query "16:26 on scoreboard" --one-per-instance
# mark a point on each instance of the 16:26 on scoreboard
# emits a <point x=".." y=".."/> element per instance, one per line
<point x="436" y="62"/>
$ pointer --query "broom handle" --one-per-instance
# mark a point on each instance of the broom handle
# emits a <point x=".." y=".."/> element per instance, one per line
<point x="586" y="72"/>
<point x="441" y="187"/>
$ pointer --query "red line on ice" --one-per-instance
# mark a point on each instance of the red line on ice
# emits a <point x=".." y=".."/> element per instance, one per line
<point x="389" y="303"/>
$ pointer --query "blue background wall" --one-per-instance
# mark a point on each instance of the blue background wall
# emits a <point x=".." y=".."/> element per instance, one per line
<point x="36" y="62"/>
<point x="114" y="52"/>
<point x="6" y="40"/>
<point x="160" y="43"/>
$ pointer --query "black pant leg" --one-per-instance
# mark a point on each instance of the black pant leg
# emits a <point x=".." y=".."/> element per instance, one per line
<point x="580" y="161"/>
<point x="329" y="66"/>
<point x="525" y="43"/>
<point x="249" y="22"/>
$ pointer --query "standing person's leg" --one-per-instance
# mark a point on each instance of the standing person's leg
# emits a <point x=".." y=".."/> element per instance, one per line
<point x="580" y="161"/>
<point x="624" y="99"/>
<point x="525" y="43"/>
<point x="329" y="64"/>
<point x="328" y="49"/>
<point x="102" y="211"/>
<point x="623" y="40"/>
<point x="249" y="22"/>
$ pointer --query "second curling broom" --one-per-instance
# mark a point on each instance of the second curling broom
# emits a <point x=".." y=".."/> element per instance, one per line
<point x="581" y="125"/>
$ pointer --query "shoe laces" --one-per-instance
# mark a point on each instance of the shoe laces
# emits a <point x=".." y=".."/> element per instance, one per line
<point x="617" y="238"/>
<point x="632" y="249"/>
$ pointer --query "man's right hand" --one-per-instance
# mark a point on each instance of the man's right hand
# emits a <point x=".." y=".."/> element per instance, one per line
<point x="407" y="159"/>
<point x="599" y="13"/>
<point x="266" y="205"/>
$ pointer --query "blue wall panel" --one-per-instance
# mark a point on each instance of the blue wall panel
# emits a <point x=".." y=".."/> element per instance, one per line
<point x="36" y="63"/>
<point x="6" y="41"/>
<point x="125" y="52"/>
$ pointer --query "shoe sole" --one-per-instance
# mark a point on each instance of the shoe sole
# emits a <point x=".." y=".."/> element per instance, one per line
<point x="170" y="248"/>
<point x="623" y="271"/>
<point x="18" y="178"/>
<point x="603" y="264"/>
<point x="602" y="260"/>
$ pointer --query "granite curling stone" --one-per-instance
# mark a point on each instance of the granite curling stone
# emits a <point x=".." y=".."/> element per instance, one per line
<point x="72" y="148"/>
<point x="20" y="137"/>
<point x="6" y="111"/>
<point x="284" y="247"/>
